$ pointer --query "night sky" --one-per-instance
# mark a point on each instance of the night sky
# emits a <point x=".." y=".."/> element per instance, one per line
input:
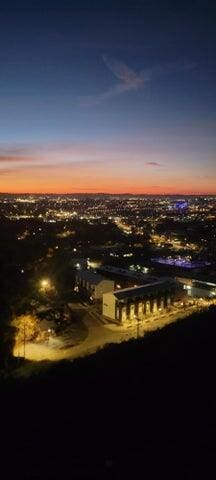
<point x="108" y="96"/>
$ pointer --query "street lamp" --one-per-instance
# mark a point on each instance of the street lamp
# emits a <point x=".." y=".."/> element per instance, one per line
<point x="49" y="331"/>
<point x="45" y="284"/>
<point x="24" y="339"/>
<point x="137" y="319"/>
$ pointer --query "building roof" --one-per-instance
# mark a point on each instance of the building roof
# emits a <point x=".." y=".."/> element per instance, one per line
<point x="128" y="273"/>
<point x="91" y="277"/>
<point x="209" y="280"/>
<point x="143" y="289"/>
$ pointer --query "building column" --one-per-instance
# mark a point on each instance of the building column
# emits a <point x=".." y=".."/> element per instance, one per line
<point x="140" y="310"/>
<point x="162" y="303"/>
<point x="148" y="310"/>
<point x="154" y="306"/>
<point x="123" y="314"/>
<point x="132" y="311"/>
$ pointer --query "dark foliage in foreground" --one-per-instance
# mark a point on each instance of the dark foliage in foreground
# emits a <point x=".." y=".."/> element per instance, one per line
<point x="144" y="405"/>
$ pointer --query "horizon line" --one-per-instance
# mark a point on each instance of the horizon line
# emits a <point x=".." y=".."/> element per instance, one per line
<point x="109" y="193"/>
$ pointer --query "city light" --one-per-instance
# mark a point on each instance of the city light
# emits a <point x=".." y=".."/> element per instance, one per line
<point x="45" y="285"/>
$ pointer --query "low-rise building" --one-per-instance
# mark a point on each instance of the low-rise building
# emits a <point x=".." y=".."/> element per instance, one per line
<point x="93" y="284"/>
<point x="197" y="288"/>
<point x="141" y="301"/>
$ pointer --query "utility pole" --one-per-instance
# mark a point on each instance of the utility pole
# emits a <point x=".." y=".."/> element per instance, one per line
<point x="137" y="327"/>
<point x="24" y="339"/>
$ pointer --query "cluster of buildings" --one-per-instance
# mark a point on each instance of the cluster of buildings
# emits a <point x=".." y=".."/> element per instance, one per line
<point x="148" y="296"/>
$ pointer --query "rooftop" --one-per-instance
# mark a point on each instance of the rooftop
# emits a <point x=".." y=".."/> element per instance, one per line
<point x="128" y="273"/>
<point x="207" y="280"/>
<point x="91" y="277"/>
<point x="143" y="289"/>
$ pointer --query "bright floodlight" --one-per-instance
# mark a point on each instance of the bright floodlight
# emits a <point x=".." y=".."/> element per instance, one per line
<point x="45" y="283"/>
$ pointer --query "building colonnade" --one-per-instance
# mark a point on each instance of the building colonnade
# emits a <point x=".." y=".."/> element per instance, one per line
<point x="127" y="311"/>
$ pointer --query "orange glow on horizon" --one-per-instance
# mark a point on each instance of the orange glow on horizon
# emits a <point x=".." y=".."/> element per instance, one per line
<point x="86" y="168"/>
<point x="112" y="188"/>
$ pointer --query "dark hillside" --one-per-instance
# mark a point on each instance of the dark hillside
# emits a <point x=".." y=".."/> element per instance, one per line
<point x="147" y="404"/>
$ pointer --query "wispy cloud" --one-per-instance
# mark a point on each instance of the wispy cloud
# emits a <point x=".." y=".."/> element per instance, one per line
<point x="73" y="154"/>
<point x="169" y="68"/>
<point x="14" y="158"/>
<point x="73" y="165"/>
<point x="154" y="164"/>
<point x="130" y="80"/>
<point x="7" y="171"/>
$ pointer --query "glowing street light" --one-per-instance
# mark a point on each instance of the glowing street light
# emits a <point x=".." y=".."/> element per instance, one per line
<point x="45" y="284"/>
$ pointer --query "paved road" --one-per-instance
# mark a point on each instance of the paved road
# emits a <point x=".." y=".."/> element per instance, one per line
<point x="56" y="349"/>
<point x="99" y="335"/>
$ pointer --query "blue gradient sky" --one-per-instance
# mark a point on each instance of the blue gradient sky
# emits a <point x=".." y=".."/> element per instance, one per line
<point x="115" y="96"/>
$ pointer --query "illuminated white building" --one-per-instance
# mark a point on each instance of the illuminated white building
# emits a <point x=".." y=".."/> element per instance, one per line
<point x="93" y="284"/>
<point x="141" y="301"/>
